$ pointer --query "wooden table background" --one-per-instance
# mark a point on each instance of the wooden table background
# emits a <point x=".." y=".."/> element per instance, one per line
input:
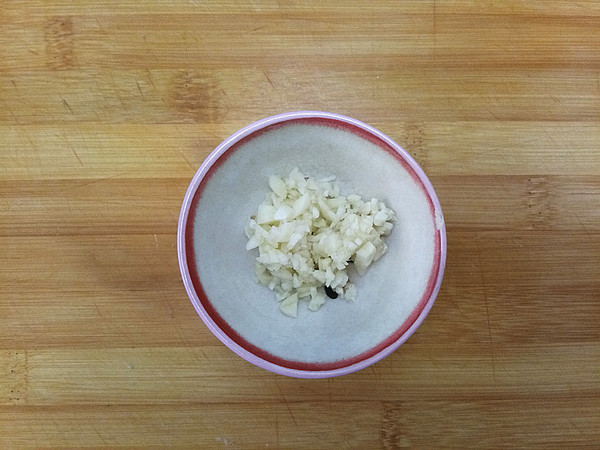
<point x="108" y="108"/>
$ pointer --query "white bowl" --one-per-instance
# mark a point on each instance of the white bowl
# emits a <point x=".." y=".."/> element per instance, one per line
<point x="395" y="294"/>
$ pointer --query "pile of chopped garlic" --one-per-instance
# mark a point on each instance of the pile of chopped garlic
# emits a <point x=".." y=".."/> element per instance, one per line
<point x="307" y="234"/>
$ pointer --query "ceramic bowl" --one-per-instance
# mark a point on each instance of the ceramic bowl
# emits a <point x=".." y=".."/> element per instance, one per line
<point x="395" y="294"/>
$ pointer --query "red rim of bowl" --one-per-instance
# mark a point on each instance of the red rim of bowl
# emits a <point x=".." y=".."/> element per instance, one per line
<point x="220" y="328"/>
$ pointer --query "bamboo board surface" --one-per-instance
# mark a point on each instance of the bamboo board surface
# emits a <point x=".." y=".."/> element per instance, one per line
<point x="107" y="109"/>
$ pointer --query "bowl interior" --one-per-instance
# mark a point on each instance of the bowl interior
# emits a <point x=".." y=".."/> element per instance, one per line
<point x="391" y="295"/>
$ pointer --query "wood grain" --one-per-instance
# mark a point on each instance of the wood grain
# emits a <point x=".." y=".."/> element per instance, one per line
<point x="107" y="110"/>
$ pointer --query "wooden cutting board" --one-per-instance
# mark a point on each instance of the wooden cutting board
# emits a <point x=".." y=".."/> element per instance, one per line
<point x="107" y="109"/>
